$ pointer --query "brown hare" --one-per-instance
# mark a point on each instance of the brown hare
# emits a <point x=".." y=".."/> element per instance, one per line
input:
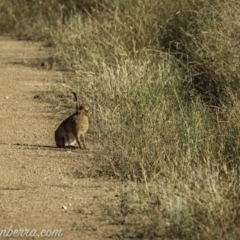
<point x="74" y="127"/>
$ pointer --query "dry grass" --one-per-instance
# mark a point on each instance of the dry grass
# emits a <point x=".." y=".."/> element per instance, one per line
<point x="163" y="80"/>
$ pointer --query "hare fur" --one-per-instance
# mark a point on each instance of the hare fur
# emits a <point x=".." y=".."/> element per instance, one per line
<point x="74" y="128"/>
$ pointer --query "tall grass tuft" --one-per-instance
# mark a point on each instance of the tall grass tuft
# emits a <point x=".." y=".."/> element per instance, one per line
<point x="205" y="39"/>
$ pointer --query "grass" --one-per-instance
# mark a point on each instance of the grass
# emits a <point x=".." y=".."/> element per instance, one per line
<point x="163" y="80"/>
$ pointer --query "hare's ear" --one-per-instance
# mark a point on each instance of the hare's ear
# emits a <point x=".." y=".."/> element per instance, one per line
<point x="77" y="107"/>
<point x="88" y="110"/>
<point x="75" y="96"/>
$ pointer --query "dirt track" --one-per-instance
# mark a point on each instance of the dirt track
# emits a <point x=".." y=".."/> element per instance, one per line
<point x="39" y="188"/>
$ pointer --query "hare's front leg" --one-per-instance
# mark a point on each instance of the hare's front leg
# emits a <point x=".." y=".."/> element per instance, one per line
<point x="84" y="141"/>
<point x="80" y="145"/>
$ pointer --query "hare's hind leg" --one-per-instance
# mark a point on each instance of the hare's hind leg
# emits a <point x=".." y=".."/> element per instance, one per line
<point x="59" y="139"/>
<point x="70" y="140"/>
<point x="60" y="142"/>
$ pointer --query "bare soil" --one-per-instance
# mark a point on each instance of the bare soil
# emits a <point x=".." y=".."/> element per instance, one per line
<point x="43" y="187"/>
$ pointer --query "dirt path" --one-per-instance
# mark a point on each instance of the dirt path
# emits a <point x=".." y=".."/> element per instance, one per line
<point x="39" y="188"/>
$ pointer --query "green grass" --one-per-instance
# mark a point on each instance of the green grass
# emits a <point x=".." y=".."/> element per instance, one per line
<point x="163" y="80"/>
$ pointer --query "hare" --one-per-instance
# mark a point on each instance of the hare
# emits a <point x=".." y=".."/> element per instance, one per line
<point x="74" y="127"/>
